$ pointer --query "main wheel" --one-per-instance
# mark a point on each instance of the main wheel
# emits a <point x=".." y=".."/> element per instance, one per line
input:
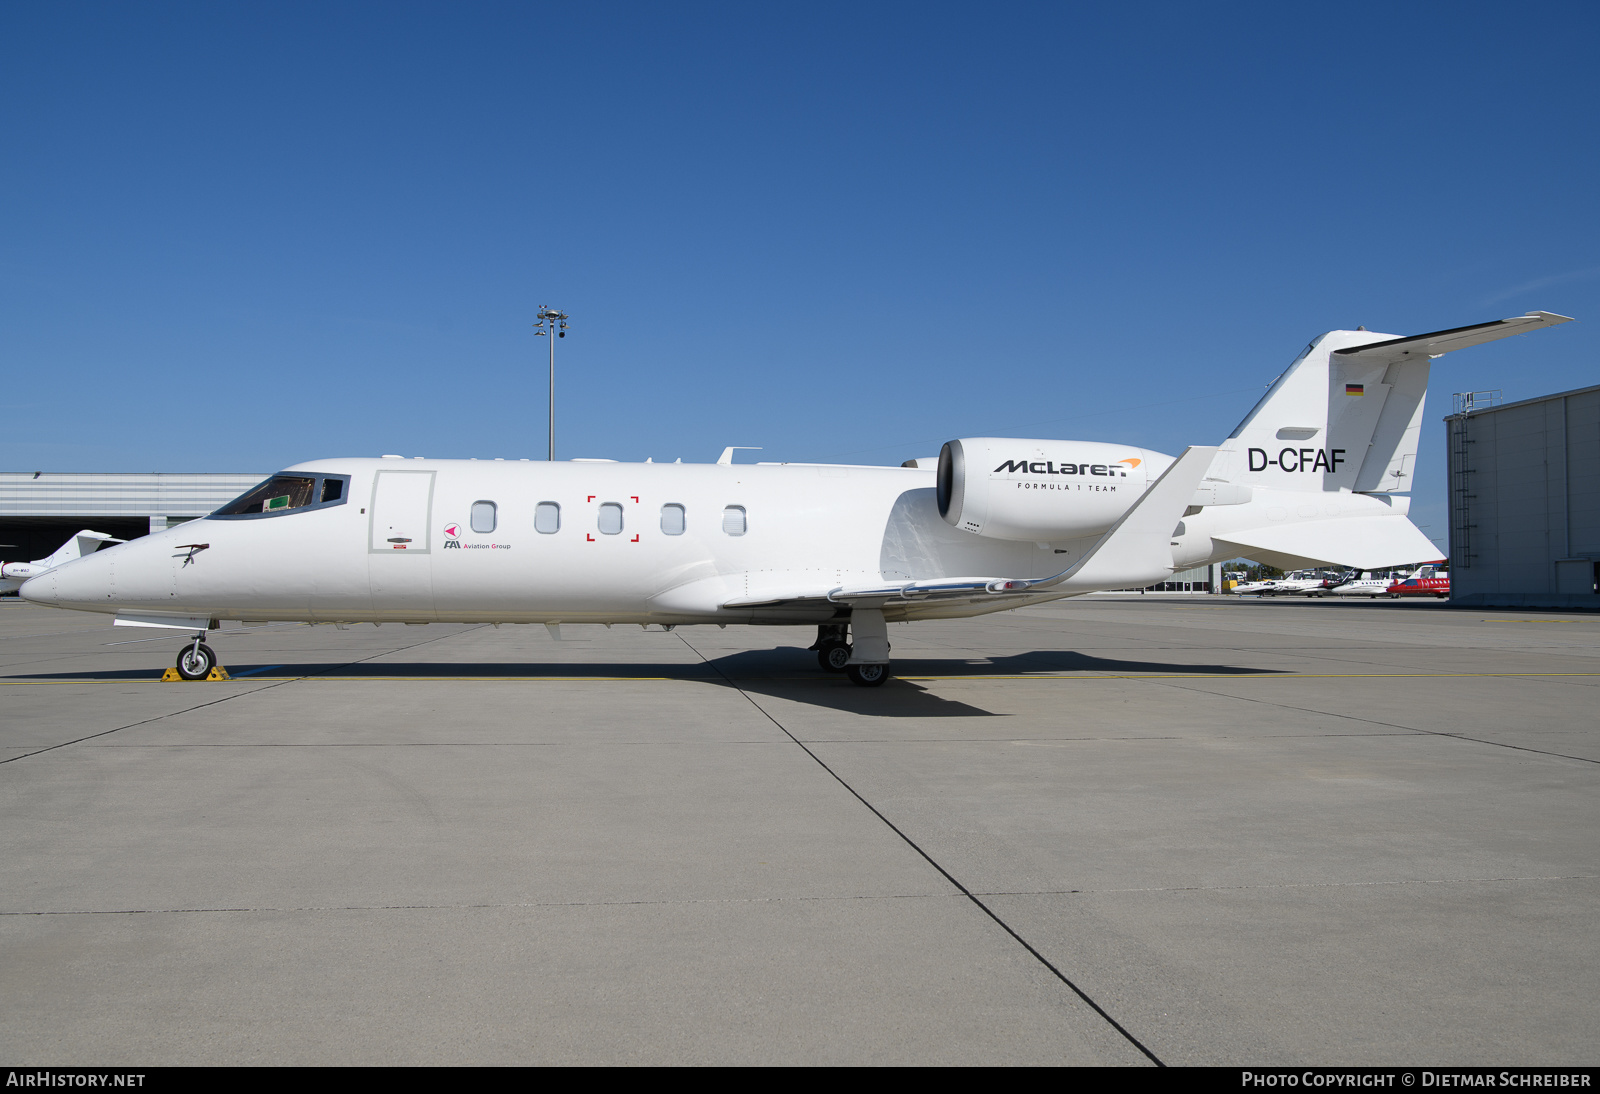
<point x="867" y="676"/>
<point x="834" y="656"/>
<point x="196" y="661"/>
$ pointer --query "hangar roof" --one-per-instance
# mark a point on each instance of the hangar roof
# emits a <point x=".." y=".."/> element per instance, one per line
<point x="85" y="494"/>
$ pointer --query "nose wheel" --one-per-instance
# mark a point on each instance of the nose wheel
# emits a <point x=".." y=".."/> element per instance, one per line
<point x="196" y="661"/>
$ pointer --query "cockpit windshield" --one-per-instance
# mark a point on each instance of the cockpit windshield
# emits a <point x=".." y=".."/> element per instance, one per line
<point x="278" y="492"/>
<point x="284" y="493"/>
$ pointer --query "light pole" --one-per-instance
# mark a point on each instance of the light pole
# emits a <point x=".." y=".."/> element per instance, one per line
<point x="551" y="322"/>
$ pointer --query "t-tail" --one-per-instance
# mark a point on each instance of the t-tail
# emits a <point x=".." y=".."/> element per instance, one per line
<point x="1346" y="414"/>
<point x="1341" y="423"/>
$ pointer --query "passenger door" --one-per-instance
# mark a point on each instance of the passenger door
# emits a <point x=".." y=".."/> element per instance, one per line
<point x="399" y="545"/>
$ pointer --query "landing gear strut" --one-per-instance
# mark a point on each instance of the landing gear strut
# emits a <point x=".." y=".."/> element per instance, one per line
<point x="866" y="661"/>
<point x="196" y="661"/>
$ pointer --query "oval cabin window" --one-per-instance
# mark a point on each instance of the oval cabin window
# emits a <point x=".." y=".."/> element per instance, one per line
<point x="483" y="516"/>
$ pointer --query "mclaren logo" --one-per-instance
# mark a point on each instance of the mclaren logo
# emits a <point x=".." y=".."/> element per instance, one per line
<point x="1119" y="469"/>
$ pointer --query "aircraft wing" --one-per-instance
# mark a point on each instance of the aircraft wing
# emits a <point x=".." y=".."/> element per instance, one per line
<point x="1443" y="341"/>
<point x="1135" y="552"/>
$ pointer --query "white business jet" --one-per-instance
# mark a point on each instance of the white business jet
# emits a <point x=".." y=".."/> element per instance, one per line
<point x="86" y="542"/>
<point x="1314" y="475"/>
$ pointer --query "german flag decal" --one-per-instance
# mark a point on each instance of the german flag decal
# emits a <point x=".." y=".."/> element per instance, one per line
<point x="1355" y="389"/>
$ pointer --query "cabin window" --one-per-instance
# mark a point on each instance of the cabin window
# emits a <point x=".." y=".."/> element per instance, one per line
<point x="483" y="516"/>
<point x="610" y="518"/>
<point x="733" y="521"/>
<point x="547" y="518"/>
<point x="672" y="520"/>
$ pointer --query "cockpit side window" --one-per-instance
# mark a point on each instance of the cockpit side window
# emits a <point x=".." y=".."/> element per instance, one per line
<point x="288" y="493"/>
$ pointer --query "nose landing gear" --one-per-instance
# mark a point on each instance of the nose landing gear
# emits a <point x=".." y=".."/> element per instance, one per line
<point x="197" y="661"/>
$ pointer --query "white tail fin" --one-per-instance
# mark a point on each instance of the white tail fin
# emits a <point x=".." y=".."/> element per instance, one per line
<point x="84" y="543"/>
<point x="1346" y="413"/>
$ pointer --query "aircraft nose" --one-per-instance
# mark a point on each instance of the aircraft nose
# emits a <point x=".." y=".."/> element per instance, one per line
<point x="81" y="583"/>
<point x="40" y="590"/>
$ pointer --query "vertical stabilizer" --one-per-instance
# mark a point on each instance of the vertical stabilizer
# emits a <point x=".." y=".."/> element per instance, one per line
<point x="1347" y="413"/>
<point x="84" y="543"/>
<point x="1312" y="430"/>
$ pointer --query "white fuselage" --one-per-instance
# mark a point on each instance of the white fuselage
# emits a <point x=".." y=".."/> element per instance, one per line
<point x="400" y="546"/>
<point x="806" y="527"/>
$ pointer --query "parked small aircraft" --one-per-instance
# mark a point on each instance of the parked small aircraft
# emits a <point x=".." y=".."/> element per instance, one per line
<point x="1313" y="475"/>
<point x="13" y="574"/>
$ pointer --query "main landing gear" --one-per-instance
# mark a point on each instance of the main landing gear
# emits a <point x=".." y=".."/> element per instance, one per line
<point x="867" y="676"/>
<point x="196" y="661"/>
<point x="833" y="646"/>
<point x="866" y="662"/>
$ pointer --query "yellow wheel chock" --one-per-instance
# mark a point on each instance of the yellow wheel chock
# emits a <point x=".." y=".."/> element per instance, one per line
<point x="217" y="673"/>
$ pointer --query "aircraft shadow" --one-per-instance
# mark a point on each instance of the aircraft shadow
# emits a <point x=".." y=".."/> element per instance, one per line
<point x="785" y="673"/>
<point x="781" y="673"/>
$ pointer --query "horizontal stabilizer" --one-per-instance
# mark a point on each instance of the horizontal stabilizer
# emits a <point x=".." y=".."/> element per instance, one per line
<point x="1362" y="543"/>
<point x="1443" y="341"/>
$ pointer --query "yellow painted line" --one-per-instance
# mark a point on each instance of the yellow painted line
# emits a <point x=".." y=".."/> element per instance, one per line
<point x="1538" y="621"/>
<point x="1262" y="676"/>
<point x="970" y="676"/>
<point x="424" y="679"/>
<point x="413" y="679"/>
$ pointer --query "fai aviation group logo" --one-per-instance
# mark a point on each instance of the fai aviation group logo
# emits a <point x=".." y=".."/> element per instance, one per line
<point x="452" y="539"/>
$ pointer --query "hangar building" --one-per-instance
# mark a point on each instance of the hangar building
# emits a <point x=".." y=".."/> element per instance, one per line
<point x="1525" y="501"/>
<point x="40" y="509"/>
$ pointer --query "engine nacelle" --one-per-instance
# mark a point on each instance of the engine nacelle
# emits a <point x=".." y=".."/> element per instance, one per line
<point x="1044" y="491"/>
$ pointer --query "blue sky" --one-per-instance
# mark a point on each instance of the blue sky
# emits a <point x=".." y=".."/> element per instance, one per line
<point x="239" y="236"/>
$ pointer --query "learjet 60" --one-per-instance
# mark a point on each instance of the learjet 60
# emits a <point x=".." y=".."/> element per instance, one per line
<point x="1317" y="473"/>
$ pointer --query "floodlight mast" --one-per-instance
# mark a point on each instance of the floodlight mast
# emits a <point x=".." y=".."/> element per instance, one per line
<point x="551" y="322"/>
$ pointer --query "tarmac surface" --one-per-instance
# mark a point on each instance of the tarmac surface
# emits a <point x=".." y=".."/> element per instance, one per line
<point x="1111" y="830"/>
